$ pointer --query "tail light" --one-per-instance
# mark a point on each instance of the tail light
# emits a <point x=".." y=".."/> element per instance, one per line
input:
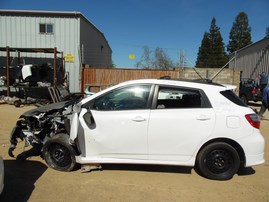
<point x="254" y="91"/>
<point x="254" y="120"/>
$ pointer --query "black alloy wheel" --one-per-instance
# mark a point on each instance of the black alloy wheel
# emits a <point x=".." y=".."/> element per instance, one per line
<point x="59" y="154"/>
<point x="218" y="161"/>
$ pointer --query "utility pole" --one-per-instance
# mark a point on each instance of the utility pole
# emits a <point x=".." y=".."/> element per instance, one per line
<point x="182" y="59"/>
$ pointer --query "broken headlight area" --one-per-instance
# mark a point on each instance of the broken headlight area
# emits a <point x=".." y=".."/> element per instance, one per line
<point x="39" y="125"/>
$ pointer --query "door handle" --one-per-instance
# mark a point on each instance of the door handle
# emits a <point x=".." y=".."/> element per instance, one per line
<point x="203" y="118"/>
<point x="139" y="119"/>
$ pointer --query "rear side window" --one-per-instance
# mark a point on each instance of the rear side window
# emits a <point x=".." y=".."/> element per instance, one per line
<point x="169" y="97"/>
<point x="230" y="95"/>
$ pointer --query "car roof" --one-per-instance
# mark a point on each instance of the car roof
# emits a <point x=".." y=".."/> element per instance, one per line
<point x="198" y="84"/>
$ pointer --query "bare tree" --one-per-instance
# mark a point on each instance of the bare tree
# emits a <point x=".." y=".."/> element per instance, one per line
<point x="145" y="61"/>
<point x="162" y="60"/>
<point x="158" y="60"/>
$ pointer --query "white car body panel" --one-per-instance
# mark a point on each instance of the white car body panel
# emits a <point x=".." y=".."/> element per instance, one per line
<point x="118" y="135"/>
<point x="177" y="138"/>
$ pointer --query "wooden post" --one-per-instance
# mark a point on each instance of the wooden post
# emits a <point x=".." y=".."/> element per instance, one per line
<point x="19" y="57"/>
<point x="55" y="67"/>
<point x="7" y="73"/>
<point x="82" y="78"/>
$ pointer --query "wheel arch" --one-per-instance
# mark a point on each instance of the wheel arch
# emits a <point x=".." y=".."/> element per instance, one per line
<point x="63" y="157"/>
<point x="231" y="142"/>
<point x="66" y="136"/>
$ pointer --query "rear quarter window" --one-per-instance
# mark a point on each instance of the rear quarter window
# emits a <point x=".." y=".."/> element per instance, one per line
<point x="230" y="95"/>
<point x="180" y="97"/>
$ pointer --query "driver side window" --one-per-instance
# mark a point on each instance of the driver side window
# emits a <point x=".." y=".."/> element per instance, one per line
<point x="127" y="98"/>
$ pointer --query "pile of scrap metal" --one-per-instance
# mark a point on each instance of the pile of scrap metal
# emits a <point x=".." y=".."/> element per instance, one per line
<point x="32" y="75"/>
<point x="31" y="82"/>
<point x="17" y="102"/>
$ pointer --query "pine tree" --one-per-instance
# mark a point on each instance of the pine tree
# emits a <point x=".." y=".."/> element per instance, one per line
<point x="212" y="51"/>
<point x="218" y="57"/>
<point x="204" y="52"/>
<point x="240" y="34"/>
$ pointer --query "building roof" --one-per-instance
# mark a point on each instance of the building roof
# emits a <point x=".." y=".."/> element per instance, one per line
<point x="264" y="40"/>
<point x="29" y="50"/>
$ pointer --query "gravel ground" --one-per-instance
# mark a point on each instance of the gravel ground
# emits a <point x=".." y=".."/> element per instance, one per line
<point x="34" y="181"/>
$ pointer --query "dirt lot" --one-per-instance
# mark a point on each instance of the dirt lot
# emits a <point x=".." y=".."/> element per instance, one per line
<point x="34" y="181"/>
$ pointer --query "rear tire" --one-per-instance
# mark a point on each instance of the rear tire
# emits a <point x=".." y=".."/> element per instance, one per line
<point x="59" y="154"/>
<point x="218" y="161"/>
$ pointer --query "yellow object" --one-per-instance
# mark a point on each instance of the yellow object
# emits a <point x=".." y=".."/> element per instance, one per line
<point x="131" y="56"/>
<point x="69" y="58"/>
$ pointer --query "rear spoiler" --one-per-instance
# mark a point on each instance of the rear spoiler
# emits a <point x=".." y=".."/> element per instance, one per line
<point x="230" y="87"/>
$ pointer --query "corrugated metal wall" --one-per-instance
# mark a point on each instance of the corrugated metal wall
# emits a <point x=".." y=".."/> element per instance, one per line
<point x="23" y="32"/>
<point x="253" y="59"/>
<point x="94" y="47"/>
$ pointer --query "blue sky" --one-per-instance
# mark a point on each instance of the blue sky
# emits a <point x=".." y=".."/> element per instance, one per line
<point x="173" y="25"/>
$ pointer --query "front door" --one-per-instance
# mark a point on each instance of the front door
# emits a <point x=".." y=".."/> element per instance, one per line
<point x="120" y="123"/>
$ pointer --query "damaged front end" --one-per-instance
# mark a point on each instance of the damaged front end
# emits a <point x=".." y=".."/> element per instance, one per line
<point x="40" y="125"/>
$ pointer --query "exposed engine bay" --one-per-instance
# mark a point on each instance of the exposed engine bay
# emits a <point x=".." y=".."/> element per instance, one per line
<point x="40" y="125"/>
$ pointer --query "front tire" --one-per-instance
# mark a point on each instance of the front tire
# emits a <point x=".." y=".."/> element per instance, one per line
<point x="218" y="161"/>
<point x="59" y="154"/>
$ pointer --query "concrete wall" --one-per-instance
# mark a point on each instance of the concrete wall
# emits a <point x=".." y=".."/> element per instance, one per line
<point x="226" y="76"/>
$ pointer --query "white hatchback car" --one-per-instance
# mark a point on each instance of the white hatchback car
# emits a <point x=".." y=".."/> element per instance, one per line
<point x="153" y="121"/>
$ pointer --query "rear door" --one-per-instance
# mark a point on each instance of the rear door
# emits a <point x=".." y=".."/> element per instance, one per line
<point x="180" y="120"/>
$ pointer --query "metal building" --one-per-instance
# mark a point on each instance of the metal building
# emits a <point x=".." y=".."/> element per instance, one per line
<point x="252" y="59"/>
<point x="70" y="32"/>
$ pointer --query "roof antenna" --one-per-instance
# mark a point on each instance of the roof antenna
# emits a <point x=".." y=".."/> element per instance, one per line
<point x="165" y="77"/>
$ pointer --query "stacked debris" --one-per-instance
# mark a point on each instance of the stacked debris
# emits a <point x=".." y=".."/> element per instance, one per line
<point x="17" y="102"/>
<point x="31" y="81"/>
<point x="32" y="75"/>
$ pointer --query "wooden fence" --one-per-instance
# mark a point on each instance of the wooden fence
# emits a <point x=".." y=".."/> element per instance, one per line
<point x="107" y="77"/>
<point x="104" y="77"/>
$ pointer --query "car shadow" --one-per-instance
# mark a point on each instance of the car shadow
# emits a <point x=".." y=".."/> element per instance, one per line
<point x="166" y="169"/>
<point x="148" y="168"/>
<point x="20" y="177"/>
<point x="246" y="171"/>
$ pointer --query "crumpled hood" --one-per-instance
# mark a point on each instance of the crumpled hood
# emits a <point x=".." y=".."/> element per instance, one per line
<point x="47" y="108"/>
